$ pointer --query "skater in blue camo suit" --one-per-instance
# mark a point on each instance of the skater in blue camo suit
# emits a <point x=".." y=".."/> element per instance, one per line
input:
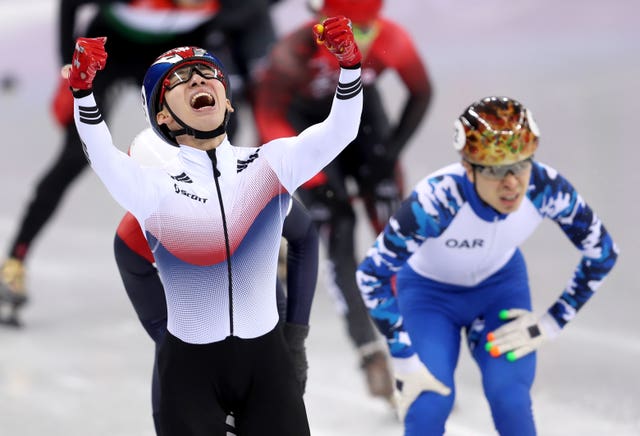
<point x="448" y="260"/>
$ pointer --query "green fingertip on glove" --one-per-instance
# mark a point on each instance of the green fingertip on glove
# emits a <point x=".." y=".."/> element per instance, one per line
<point x="511" y="356"/>
<point x="487" y="346"/>
<point x="503" y="314"/>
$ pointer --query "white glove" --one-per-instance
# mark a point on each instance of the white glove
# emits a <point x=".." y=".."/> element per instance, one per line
<point x="525" y="334"/>
<point x="413" y="378"/>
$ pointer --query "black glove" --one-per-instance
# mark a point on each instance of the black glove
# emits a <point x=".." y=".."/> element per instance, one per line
<point x="386" y="199"/>
<point x="295" y="335"/>
<point x="377" y="164"/>
<point x="381" y="199"/>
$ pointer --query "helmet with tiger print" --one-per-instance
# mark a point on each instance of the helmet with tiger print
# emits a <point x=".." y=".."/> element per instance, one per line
<point x="496" y="131"/>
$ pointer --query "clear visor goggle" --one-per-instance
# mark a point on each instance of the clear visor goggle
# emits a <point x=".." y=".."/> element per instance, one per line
<point x="184" y="73"/>
<point x="499" y="172"/>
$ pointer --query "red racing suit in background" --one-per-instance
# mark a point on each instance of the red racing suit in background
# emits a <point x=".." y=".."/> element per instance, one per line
<point x="295" y="91"/>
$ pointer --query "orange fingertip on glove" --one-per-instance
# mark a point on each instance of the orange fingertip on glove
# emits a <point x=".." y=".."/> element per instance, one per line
<point x="318" y="31"/>
<point x="492" y="349"/>
<point x="489" y="347"/>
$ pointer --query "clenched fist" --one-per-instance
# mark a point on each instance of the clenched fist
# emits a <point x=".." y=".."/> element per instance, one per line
<point x="336" y="34"/>
<point x="89" y="57"/>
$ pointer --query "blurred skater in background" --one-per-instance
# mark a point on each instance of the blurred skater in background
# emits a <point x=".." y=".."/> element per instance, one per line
<point x="294" y="93"/>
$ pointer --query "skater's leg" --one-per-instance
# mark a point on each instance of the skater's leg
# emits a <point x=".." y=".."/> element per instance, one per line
<point x="374" y="361"/>
<point x="274" y="405"/>
<point x="430" y="319"/>
<point x="47" y="196"/>
<point x="191" y="379"/>
<point x="330" y="207"/>
<point x="507" y="385"/>
<point x="49" y="192"/>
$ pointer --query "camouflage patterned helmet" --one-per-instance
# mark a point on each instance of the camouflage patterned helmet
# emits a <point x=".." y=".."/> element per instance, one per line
<point x="496" y="131"/>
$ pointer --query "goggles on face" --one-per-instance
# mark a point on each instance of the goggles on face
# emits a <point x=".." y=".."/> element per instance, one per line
<point x="499" y="172"/>
<point x="184" y="74"/>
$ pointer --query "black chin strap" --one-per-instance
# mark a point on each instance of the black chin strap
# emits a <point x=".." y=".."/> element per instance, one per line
<point x="198" y="134"/>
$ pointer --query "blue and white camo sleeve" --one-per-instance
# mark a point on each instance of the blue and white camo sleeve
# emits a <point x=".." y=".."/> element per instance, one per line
<point x="424" y="214"/>
<point x="558" y="200"/>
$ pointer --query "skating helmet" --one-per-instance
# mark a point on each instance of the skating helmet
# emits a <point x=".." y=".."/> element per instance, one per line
<point x="496" y="131"/>
<point x="360" y="12"/>
<point x="156" y="82"/>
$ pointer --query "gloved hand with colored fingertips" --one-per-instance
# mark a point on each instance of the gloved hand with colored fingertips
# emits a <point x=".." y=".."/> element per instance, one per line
<point x="524" y="333"/>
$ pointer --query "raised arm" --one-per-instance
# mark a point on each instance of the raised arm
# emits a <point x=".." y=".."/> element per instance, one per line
<point x="116" y="169"/>
<point x="297" y="159"/>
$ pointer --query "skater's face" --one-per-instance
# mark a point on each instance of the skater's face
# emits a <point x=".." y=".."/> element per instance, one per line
<point x="197" y="96"/>
<point x="503" y="188"/>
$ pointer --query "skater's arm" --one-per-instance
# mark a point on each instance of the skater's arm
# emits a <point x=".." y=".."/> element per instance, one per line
<point x="562" y="203"/>
<point x="405" y="59"/>
<point x="297" y="159"/>
<point x="119" y="172"/>
<point x="426" y="213"/>
<point x="302" y="263"/>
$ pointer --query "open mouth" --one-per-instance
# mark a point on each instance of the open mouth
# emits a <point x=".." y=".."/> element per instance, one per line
<point x="202" y="100"/>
